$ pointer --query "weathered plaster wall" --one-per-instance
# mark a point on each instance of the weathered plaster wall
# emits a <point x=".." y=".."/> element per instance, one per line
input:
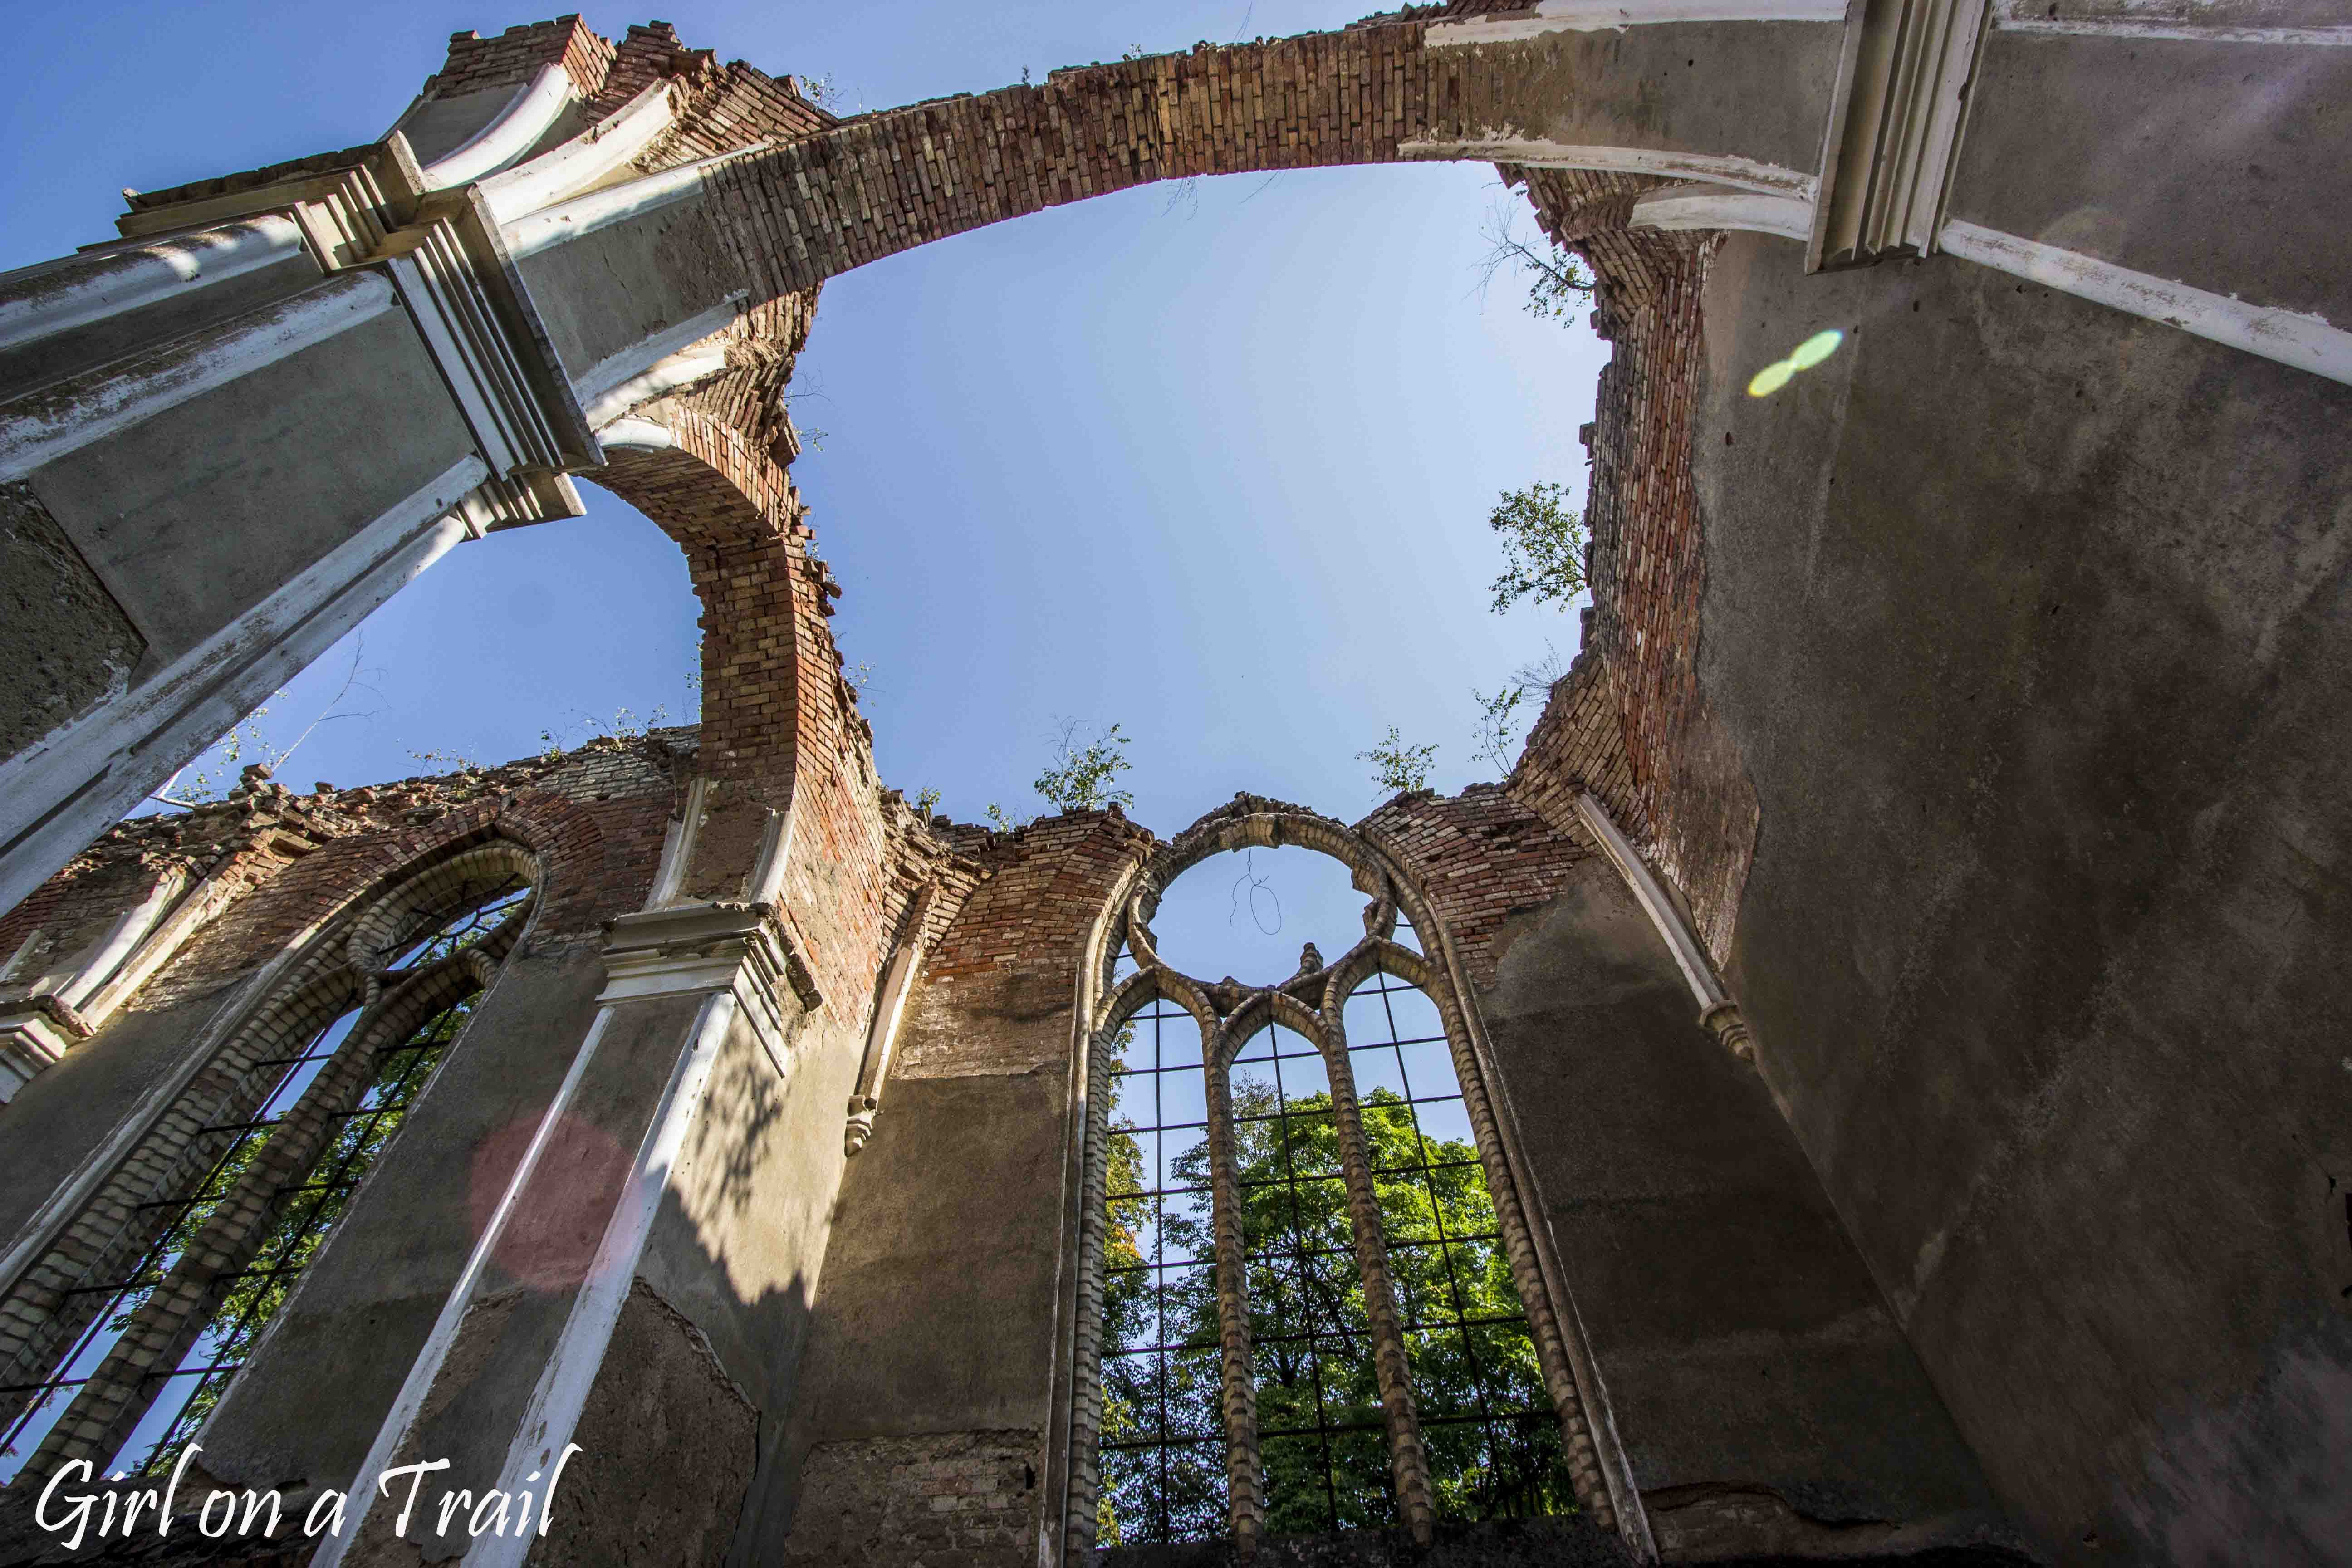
<point x="43" y="580"/>
<point x="676" y="1440"/>
<point x="1764" y="1392"/>
<point x="2030" y="621"/>
<point x="931" y="1369"/>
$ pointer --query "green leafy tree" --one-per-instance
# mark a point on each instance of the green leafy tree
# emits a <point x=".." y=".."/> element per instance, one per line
<point x="1487" y="1419"/>
<point x="1081" y="780"/>
<point x="1397" y="767"/>
<point x="1559" y="283"/>
<point x="1501" y="715"/>
<point x="1543" y="546"/>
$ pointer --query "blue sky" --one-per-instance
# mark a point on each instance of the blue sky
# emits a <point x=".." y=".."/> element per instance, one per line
<point x="1215" y="468"/>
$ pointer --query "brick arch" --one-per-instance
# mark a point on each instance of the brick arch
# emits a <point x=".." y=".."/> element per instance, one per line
<point x="787" y="196"/>
<point x="1373" y="93"/>
<point x="769" y="666"/>
<point x="778" y="218"/>
<point x="780" y="731"/>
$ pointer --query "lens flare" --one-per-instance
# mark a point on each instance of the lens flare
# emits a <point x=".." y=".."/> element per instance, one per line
<point x="1806" y="355"/>
<point x="1817" y="347"/>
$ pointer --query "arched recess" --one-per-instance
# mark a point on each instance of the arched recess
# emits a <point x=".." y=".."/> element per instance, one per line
<point x="154" y="1291"/>
<point x="1311" y="1004"/>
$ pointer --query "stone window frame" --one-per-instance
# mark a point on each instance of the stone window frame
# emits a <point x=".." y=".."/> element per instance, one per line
<point x="48" y="1307"/>
<point x="1310" y="1005"/>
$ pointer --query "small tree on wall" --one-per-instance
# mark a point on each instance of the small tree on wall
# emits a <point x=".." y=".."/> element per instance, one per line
<point x="1081" y="781"/>
<point x="1080" y="778"/>
<point x="1558" y="282"/>
<point x="1544" y="542"/>
<point x="1543" y="546"/>
<point x="1500" y="716"/>
<point x="1398" y="768"/>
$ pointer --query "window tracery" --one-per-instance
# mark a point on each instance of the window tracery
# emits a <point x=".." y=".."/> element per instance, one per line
<point x="1309" y="1301"/>
<point x="122" y="1337"/>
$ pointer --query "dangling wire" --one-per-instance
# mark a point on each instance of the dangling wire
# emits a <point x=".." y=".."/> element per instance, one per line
<point x="1256" y="884"/>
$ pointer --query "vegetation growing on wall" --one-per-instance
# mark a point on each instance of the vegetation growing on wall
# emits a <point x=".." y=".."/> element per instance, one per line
<point x="1397" y="767"/>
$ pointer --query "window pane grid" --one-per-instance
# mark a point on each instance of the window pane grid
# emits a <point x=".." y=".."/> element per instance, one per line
<point x="125" y="1295"/>
<point x="309" y="1207"/>
<point x="185" y="1395"/>
<point x="1311" y="1351"/>
<point x="1162" y="1442"/>
<point x="1488" y="1426"/>
<point x="1487" y="1421"/>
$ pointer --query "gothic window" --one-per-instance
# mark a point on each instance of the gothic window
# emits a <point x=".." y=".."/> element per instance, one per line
<point x="1163" y="1442"/>
<point x="257" y="1161"/>
<point x="1319" y="1306"/>
<point x="1487" y="1419"/>
<point x="1319" y="1402"/>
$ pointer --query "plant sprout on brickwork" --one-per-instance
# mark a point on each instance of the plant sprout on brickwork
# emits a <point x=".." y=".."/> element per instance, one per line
<point x="1544" y="538"/>
<point x="210" y="776"/>
<point x="1081" y="778"/>
<point x="1397" y="768"/>
<point x="1502" y="716"/>
<point x="1078" y="779"/>
<point x="179" y="1398"/>
<point x="1559" y="283"/>
<point x="1486" y="1421"/>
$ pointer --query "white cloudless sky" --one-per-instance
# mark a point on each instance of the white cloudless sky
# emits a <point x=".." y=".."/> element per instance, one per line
<point x="1214" y="465"/>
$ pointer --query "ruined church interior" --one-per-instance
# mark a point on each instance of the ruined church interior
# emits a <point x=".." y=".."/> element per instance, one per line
<point x="1868" y="1084"/>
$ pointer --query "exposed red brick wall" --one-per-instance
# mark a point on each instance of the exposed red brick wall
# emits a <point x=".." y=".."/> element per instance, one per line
<point x="1669" y="774"/>
<point x="1047" y="883"/>
<point x="265" y="838"/>
<point x="1579" y="744"/>
<point x="601" y="828"/>
<point x="477" y="64"/>
<point x="879" y="184"/>
<point x="1479" y="857"/>
<point x="738" y="517"/>
<point x="780" y="723"/>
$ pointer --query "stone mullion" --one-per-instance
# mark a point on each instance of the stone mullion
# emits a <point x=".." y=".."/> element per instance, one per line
<point x="1246" y="1501"/>
<point x="102" y="1417"/>
<point x="1408" y="1461"/>
<point x="1527" y="1273"/>
<point x="1086" y="1393"/>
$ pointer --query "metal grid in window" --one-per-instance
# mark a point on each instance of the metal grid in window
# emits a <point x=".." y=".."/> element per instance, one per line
<point x="187" y="1394"/>
<point x="179" y="1399"/>
<point x="178" y="1219"/>
<point x="1163" y="1436"/>
<point x="1320" y="1426"/>
<point x="1487" y="1420"/>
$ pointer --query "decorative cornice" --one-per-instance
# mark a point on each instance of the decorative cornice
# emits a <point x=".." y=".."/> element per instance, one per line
<point x="460" y="284"/>
<point x="695" y="948"/>
<point x="1616" y="16"/>
<point x="1894" y="136"/>
<point x="34" y="1034"/>
<point x="372" y="207"/>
